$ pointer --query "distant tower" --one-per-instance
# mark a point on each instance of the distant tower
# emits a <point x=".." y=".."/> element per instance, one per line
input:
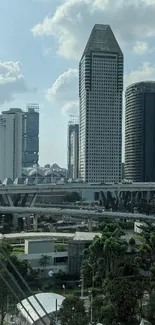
<point x="73" y="147"/>
<point x="140" y="132"/>
<point x="100" y="92"/>
<point x="30" y="154"/>
<point x="11" y="144"/>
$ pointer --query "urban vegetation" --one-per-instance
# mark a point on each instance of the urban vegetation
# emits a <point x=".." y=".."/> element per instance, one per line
<point x="117" y="278"/>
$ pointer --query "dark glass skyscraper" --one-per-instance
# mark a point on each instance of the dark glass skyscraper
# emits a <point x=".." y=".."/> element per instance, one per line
<point x="140" y="132"/>
<point x="30" y="152"/>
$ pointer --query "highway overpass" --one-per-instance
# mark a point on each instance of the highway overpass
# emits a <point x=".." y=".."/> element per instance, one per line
<point x="73" y="212"/>
<point x="108" y="194"/>
<point x="74" y="187"/>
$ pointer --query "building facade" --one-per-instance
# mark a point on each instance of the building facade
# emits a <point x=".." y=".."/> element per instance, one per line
<point x="73" y="150"/>
<point x="42" y="255"/>
<point x="11" y="144"/>
<point x="30" y="151"/>
<point x="100" y="92"/>
<point x="140" y="132"/>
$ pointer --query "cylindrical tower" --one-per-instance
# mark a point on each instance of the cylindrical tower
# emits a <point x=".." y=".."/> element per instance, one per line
<point x="140" y="132"/>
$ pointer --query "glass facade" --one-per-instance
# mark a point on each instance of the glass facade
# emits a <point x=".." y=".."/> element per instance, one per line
<point x="100" y="92"/>
<point x="73" y="150"/>
<point x="140" y="132"/>
<point x="30" y="153"/>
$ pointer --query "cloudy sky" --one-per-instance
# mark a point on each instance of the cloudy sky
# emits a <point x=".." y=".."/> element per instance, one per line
<point x="41" y="44"/>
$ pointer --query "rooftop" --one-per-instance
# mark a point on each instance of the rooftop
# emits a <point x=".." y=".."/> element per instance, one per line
<point x="86" y="236"/>
<point x="102" y="39"/>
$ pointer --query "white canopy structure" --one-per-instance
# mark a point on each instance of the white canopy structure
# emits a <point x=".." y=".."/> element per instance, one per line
<point x="47" y="300"/>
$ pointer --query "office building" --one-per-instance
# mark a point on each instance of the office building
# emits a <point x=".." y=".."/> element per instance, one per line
<point x="73" y="148"/>
<point x="30" y="151"/>
<point x="140" y="132"/>
<point x="11" y="144"/>
<point x="100" y="92"/>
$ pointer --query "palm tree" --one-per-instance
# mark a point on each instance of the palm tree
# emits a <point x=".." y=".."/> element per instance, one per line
<point x="44" y="261"/>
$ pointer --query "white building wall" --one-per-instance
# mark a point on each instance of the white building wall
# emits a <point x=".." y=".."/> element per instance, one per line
<point x="2" y="148"/>
<point x="18" y="145"/>
<point x="9" y="136"/>
<point x="11" y="144"/>
<point x="34" y="260"/>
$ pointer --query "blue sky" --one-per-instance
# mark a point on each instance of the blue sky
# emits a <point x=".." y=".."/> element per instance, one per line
<point x="41" y="44"/>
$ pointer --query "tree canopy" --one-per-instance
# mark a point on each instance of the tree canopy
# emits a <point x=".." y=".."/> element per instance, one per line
<point x="73" y="312"/>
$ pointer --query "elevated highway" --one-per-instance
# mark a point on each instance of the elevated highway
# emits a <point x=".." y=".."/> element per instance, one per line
<point x="75" y="187"/>
<point x="109" y="194"/>
<point x="76" y="213"/>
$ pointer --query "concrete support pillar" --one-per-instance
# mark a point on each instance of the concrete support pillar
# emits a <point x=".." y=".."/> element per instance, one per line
<point x="33" y="200"/>
<point x="148" y="196"/>
<point x="28" y="222"/>
<point x="3" y="200"/>
<point x="15" y="221"/>
<point x="9" y="200"/>
<point x="90" y="226"/>
<point x="35" y="222"/>
<point x="24" y="200"/>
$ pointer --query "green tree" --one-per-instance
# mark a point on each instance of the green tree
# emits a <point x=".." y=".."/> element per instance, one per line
<point x="72" y="312"/>
<point x="124" y="295"/>
<point x="150" y="309"/>
<point x="44" y="262"/>
<point x="6" y="298"/>
<point x="105" y="254"/>
<point x="132" y="244"/>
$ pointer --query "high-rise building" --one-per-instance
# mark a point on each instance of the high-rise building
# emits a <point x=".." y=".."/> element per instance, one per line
<point x="140" y="132"/>
<point x="73" y="148"/>
<point x="11" y="144"/>
<point x="100" y="92"/>
<point x="30" y="154"/>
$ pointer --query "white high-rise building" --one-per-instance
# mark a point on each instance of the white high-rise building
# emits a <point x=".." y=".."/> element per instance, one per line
<point x="100" y="92"/>
<point x="11" y="144"/>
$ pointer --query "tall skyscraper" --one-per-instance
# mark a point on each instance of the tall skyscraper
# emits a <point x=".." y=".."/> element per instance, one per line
<point x="73" y="148"/>
<point x="11" y="144"/>
<point x="140" y="132"/>
<point x="30" y="152"/>
<point x="100" y="92"/>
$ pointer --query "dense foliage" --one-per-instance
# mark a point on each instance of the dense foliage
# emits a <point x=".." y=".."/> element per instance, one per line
<point x="124" y="267"/>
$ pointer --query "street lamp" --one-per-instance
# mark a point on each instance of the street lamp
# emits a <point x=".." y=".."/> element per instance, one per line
<point x="93" y="274"/>
<point x="82" y="285"/>
<point x="91" y="297"/>
<point x="91" y="306"/>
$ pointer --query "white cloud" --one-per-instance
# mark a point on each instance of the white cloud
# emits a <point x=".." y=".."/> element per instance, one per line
<point x="11" y="81"/>
<point x="73" y="20"/>
<point x="47" y="51"/>
<point x="71" y="107"/>
<point x="141" y="48"/>
<point x="64" y="90"/>
<point x="144" y="72"/>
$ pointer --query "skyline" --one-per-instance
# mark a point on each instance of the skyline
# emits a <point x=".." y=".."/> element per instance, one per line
<point x="41" y="46"/>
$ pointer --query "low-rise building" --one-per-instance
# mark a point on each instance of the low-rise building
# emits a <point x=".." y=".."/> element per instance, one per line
<point x="76" y="249"/>
<point x="41" y="255"/>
